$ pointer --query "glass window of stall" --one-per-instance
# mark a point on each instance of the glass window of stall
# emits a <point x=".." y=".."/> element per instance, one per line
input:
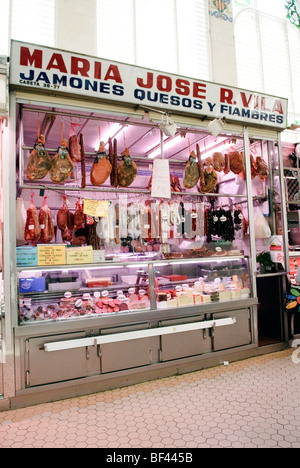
<point x="268" y="206"/>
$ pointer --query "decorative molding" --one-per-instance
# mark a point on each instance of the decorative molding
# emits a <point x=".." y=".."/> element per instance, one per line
<point x="221" y="9"/>
<point x="293" y="12"/>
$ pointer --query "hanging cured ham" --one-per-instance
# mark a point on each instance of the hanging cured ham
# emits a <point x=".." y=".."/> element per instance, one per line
<point x="210" y="177"/>
<point x="236" y="162"/>
<point x="39" y="162"/>
<point x="32" y="232"/>
<point x="46" y="223"/>
<point x="191" y="173"/>
<point x="218" y="161"/>
<point x="127" y="170"/>
<point x="62" y="165"/>
<point x="262" y="168"/>
<point x="101" y="168"/>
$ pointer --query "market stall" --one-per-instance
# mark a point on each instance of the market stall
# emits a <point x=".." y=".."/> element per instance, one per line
<point x="139" y="201"/>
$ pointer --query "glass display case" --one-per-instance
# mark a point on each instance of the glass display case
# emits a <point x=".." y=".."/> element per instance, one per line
<point x="81" y="292"/>
<point x="58" y="295"/>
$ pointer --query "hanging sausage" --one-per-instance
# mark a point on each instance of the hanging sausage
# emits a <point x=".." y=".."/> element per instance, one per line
<point x="83" y="170"/>
<point x="201" y="170"/>
<point x="74" y="146"/>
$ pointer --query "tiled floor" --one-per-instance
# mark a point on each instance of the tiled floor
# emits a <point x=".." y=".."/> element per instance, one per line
<point x="251" y="403"/>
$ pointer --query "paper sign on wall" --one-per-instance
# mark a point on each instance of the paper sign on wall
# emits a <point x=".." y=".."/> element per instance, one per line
<point x="161" y="179"/>
<point x="95" y="208"/>
<point x="51" y="255"/>
<point x="80" y="255"/>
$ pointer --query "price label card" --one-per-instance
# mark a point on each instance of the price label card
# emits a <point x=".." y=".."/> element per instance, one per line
<point x="99" y="256"/>
<point x="27" y="256"/>
<point x="95" y="208"/>
<point x="80" y="255"/>
<point x="51" y="254"/>
<point x="161" y="179"/>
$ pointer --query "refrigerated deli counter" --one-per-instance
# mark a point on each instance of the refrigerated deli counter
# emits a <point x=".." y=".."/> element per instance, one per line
<point x="134" y="224"/>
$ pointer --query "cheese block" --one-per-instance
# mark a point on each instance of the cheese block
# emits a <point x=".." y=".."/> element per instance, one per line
<point x="172" y="303"/>
<point x="245" y="292"/>
<point x="185" y="300"/>
<point x="236" y="294"/>
<point x="205" y="298"/>
<point x="197" y="298"/>
<point x="225" y="296"/>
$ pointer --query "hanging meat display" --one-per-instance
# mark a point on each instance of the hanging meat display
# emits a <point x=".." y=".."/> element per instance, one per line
<point x="210" y="177"/>
<point x="191" y="173"/>
<point x="175" y="184"/>
<point x="115" y="163"/>
<point x="236" y="162"/>
<point x="83" y="170"/>
<point x="218" y="161"/>
<point x="227" y="164"/>
<point x="46" y="223"/>
<point x="79" y="218"/>
<point x="39" y="162"/>
<point x="62" y="165"/>
<point x="201" y="170"/>
<point x="74" y="146"/>
<point x="127" y="170"/>
<point x="262" y="168"/>
<point x="253" y="167"/>
<point x="65" y="221"/>
<point x="32" y="232"/>
<point x="101" y="168"/>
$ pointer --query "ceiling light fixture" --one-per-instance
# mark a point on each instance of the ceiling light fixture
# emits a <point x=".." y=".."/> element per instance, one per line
<point x="216" y="126"/>
<point x="169" y="127"/>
